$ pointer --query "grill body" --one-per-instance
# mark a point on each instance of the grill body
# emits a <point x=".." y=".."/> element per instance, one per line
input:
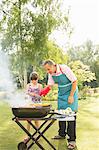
<point x="36" y="112"/>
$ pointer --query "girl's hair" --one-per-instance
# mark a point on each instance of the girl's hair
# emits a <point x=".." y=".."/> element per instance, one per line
<point x="49" y="62"/>
<point x="33" y="76"/>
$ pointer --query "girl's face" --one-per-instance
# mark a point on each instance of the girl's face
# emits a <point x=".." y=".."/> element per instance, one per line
<point x="34" y="82"/>
<point x="50" y="68"/>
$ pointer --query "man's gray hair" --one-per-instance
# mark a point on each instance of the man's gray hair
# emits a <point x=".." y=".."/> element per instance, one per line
<point x="49" y="62"/>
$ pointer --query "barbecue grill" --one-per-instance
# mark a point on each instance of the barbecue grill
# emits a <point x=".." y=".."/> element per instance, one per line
<point x="32" y="111"/>
<point x="36" y="112"/>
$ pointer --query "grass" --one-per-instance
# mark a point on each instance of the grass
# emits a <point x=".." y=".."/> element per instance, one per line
<point x="88" y="125"/>
<point x="87" y="128"/>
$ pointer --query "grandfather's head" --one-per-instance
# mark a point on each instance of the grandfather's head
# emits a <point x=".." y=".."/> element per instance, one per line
<point x="50" y="66"/>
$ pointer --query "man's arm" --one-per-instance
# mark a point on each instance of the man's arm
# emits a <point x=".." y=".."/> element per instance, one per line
<point x="73" y="89"/>
<point x="45" y="90"/>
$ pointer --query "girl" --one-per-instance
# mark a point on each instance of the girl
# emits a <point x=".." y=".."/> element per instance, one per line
<point x="33" y="90"/>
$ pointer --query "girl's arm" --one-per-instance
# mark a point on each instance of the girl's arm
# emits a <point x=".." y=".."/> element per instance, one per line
<point x="40" y="86"/>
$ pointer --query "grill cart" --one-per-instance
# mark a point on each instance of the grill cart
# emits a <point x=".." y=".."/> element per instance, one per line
<point x="41" y="112"/>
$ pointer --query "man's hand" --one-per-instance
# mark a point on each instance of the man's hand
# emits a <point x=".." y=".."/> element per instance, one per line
<point x="45" y="90"/>
<point x="70" y="99"/>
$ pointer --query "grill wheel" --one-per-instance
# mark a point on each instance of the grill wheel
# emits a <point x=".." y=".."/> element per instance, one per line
<point x="22" y="146"/>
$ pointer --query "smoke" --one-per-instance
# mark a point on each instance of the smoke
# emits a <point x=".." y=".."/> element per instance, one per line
<point x="8" y="89"/>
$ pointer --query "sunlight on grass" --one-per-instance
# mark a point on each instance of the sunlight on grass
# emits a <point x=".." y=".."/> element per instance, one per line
<point x="88" y="125"/>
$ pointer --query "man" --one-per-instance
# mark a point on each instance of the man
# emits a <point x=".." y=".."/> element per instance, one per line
<point x="63" y="76"/>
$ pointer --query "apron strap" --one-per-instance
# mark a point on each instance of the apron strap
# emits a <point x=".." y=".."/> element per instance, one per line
<point x="61" y="69"/>
<point x="66" y="84"/>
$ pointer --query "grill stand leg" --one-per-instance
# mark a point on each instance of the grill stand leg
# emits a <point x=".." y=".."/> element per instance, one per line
<point x="31" y="137"/>
<point x="41" y="133"/>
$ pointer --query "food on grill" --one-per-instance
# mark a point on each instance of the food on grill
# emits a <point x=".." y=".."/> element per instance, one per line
<point x="36" y="111"/>
<point x="39" y="105"/>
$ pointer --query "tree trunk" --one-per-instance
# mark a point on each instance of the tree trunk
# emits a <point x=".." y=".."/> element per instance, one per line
<point x="25" y="77"/>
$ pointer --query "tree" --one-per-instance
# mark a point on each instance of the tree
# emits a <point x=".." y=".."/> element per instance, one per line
<point x="82" y="72"/>
<point x="88" y="54"/>
<point x="96" y="69"/>
<point x="26" y="32"/>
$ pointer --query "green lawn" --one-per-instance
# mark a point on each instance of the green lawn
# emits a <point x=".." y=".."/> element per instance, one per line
<point x="87" y="128"/>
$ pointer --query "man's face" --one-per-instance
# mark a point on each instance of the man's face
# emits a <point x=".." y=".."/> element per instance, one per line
<point x="50" y="68"/>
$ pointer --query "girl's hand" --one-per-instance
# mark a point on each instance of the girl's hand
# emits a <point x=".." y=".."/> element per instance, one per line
<point x="70" y="99"/>
<point x="32" y="94"/>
